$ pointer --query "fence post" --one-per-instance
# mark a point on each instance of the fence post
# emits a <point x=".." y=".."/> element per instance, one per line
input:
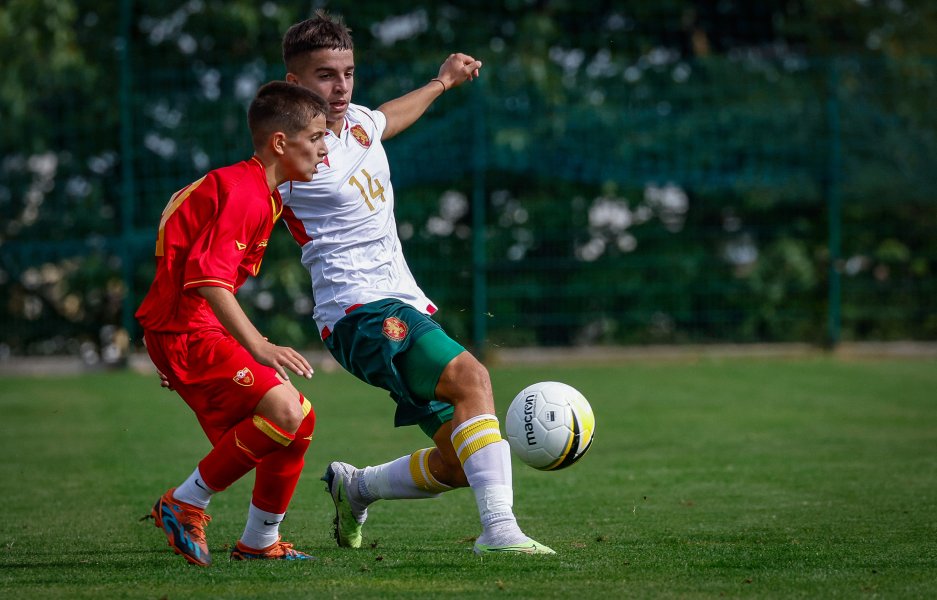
<point x="834" y="205"/>
<point x="479" y="262"/>
<point x="127" y="187"/>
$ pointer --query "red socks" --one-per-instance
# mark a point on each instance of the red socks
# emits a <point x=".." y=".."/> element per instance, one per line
<point x="278" y="473"/>
<point x="248" y="444"/>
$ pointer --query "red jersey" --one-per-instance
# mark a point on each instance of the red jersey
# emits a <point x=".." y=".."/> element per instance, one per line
<point x="213" y="232"/>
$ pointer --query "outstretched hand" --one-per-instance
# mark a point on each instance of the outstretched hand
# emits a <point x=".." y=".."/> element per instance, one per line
<point x="458" y="69"/>
<point x="404" y="111"/>
<point x="282" y="358"/>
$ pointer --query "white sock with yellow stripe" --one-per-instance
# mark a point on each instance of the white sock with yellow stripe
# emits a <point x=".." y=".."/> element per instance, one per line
<point x="407" y="477"/>
<point x="421" y="475"/>
<point x="486" y="460"/>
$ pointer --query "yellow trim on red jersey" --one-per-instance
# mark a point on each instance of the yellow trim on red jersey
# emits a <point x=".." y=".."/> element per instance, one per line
<point x="276" y="211"/>
<point x="174" y="203"/>
<point x="203" y="282"/>
<point x="274" y="207"/>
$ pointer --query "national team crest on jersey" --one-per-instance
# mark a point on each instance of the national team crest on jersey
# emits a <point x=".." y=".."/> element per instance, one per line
<point x="394" y="329"/>
<point x="361" y="136"/>
<point x="244" y="377"/>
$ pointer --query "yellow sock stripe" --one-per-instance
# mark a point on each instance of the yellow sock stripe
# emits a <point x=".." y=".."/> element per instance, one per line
<point x="476" y="436"/>
<point x="416" y="471"/>
<point x="422" y="476"/>
<point x="272" y="431"/>
<point x="468" y="431"/>
<point x="477" y="444"/>
<point x="241" y="445"/>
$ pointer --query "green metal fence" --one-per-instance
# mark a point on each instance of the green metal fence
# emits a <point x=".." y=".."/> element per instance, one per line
<point x="721" y="198"/>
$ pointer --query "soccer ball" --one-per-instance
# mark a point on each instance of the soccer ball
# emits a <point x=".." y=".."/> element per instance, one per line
<point x="549" y="425"/>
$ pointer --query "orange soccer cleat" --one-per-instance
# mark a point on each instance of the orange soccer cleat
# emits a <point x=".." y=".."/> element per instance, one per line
<point x="278" y="550"/>
<point x="184" y="526"/>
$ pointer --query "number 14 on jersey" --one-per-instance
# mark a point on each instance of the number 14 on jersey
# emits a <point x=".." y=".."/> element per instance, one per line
<point x="375" y="189"/>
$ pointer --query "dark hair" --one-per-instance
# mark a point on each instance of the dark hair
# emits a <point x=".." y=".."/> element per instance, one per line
<point x="282" y="106"/>
<point x="321" y="31"/>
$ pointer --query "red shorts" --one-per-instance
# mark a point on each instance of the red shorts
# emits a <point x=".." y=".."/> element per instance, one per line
<point x="219" y="380"/>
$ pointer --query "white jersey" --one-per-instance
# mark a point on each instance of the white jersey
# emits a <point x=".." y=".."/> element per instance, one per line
<point x="344" y="221"/>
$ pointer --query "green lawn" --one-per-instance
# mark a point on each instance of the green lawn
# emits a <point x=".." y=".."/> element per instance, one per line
<point x="755" y="478"/>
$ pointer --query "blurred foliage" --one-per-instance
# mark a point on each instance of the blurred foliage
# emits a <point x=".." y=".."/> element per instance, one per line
<point x="650" y="173"/>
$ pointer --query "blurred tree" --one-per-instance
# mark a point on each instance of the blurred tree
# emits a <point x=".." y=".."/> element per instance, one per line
<point x="595" y="110"/>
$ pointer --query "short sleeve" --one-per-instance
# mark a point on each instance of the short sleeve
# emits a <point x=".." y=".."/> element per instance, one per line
<point x="379" y="119"/>
<point x="220" y="249"/>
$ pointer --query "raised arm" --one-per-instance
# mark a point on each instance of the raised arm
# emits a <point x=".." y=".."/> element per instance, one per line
<point x="403" y="112"/>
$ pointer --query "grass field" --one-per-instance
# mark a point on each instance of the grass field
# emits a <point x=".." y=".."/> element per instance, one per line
<point x="745" y="478"/>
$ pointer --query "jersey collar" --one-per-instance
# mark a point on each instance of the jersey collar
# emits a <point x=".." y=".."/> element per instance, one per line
<point x="344" y="134"/>
<point x="276" y="201"/>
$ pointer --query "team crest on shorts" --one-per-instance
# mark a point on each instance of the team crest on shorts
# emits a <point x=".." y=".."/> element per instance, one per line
<point x="244" y="377"/>
<point x="361" y="136"/>
<point x="394" y="329"/>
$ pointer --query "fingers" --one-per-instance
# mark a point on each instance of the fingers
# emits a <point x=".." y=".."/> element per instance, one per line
<point x="301" y="366"/>
<point x="294" y="361"/>
<point x="164" y="381"/>
<point x="459" y="68"/>
<point x="283" y="359"/>
<point x="471" y="66"/>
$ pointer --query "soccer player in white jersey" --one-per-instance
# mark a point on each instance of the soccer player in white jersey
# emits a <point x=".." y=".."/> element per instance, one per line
<point x="372" y="315"/>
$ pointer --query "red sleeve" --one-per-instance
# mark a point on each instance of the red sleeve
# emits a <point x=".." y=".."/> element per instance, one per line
<point x="218" y="252"/>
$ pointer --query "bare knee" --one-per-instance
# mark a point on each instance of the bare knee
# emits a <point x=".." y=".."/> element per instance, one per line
<point x="463" y="377"/>
<point x="281" y="406"/>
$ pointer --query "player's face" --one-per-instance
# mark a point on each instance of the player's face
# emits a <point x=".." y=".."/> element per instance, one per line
<point x="331" y="74"/>
<point x="305" y="150"/>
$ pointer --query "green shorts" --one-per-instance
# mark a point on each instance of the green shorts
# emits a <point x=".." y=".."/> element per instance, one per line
<point x="390" y="344"/>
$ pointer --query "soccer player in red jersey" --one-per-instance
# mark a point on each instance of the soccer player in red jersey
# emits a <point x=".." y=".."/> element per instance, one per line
<point x="211" y="238"/>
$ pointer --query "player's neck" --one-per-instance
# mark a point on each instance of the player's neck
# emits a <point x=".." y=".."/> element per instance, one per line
<point x="270" y="172"/>
<point x="336" y="126"/>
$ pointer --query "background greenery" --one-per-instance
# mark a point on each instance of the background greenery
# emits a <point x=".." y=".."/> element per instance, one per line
<point x="812" y="478"/>
<point x="651" y="172"/>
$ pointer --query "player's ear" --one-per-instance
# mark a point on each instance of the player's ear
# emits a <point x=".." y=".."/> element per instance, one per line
<point x="291" y="78"/>
<point x="277" y="142"/>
